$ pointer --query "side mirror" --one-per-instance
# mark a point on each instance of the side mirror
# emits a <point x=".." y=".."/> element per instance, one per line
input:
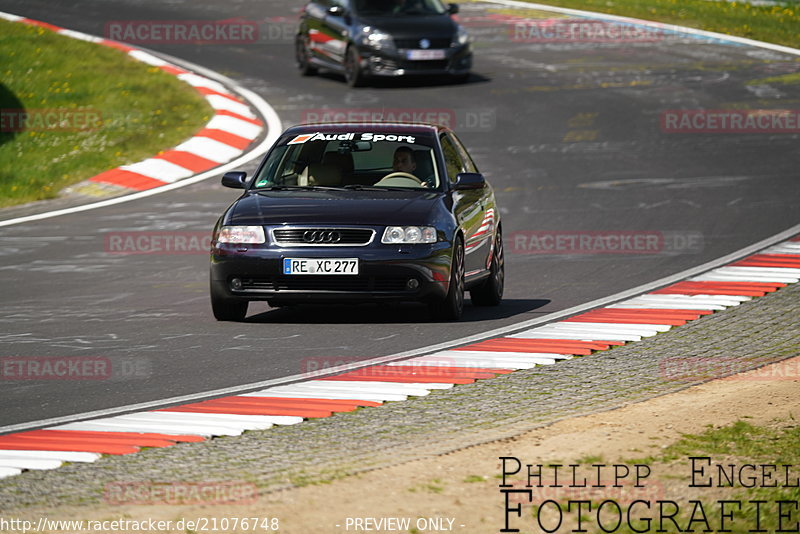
<point x="336" y="11"/>
<point x="234" y="179"/>
<point x="452" y="8"/>
<point x="469" y="180"/>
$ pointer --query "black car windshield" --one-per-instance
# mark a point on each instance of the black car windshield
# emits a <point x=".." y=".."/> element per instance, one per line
<point x="351" y="160"/>
<point x="389" y="8"/>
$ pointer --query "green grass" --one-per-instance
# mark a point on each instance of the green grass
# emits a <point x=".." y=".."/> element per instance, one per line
<point x="774" y="24"/>
<point x="133" y="111"/>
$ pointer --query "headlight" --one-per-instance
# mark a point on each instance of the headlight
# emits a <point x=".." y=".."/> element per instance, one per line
<point x="241" y="234"/>
<point x="395" y="235"/>
<point x="375" y="38"/>
<point x="461" y="38"/>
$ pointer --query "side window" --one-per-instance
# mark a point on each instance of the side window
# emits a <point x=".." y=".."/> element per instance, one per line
<point x="451" y="158"/>
<point x="469" y="165"/>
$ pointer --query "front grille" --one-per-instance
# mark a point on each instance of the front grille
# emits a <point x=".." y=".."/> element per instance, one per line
<point x="323" y="236"/>
<point x="414" y="43"/>
<point x="439" y="64"/>
<point x="313" y="283"/>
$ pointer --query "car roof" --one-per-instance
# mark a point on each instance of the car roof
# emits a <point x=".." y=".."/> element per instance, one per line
<point x="389" y="127"/>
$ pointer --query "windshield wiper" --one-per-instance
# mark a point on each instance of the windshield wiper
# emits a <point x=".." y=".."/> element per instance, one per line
<point x="299" y="188"/>
<point x="359" y="187"/>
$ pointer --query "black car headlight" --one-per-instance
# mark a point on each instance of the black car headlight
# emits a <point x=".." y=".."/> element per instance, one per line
<point x="374" y="38"/>
<point x="397" y="235"/>
<point x="242" y="234"/>
<point x="461" y="37"/>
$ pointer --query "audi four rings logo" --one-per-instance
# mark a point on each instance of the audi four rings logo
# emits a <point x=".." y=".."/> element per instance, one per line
<point x="322" y="236"/>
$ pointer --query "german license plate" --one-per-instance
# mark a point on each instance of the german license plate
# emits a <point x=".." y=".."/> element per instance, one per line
<point x="320" y="266"/>
<point x="417" y="55"/>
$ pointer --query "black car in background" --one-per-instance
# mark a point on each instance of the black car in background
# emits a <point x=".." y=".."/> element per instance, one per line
<point x="363" y="38"/>
<point x="340" y="213"/>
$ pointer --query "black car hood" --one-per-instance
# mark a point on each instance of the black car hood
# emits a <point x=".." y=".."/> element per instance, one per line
<point x="374" y="208"/>
<point x="413" y="27"/>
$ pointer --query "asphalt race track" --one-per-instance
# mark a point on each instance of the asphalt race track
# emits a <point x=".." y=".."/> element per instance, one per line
<point x="569" y="133"/>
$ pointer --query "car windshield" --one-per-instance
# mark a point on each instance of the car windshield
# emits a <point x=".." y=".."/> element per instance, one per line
<point x="389" y="8"/>
<point x="351" y="160"/>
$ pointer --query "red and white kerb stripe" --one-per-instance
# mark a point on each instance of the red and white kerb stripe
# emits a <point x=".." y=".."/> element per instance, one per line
<point x="580" y="335"/>
<point x="232" y="129"/>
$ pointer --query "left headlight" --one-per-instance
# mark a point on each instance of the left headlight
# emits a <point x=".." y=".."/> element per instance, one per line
<point x="461" y="37"/>
<point x="396" y="235"/>
<point x="241" y="234"/>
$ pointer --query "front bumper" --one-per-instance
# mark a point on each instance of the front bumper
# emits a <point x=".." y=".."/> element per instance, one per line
<point x="457" y="61"/>
<point x="255" y="272"/>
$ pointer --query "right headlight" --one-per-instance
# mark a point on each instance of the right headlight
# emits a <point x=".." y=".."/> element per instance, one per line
<point x="397" y="235"/>
<point x="241" y="234"/>
<point x="376" y="39"/>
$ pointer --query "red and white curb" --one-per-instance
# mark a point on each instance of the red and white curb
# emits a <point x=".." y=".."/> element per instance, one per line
<point x="585" y="333"/>
<point x="232" y="129"/>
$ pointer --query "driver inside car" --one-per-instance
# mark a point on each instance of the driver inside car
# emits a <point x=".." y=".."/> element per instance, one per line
<point x="404" y="161"/>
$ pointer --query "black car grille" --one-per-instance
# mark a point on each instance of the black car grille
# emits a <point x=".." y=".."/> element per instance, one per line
<point x="425" y="65"/>
<point x="326" y="283"/>
<point x="390" y="64"/>
<point x="438" y="42"/>
<point x="323" y="236"/>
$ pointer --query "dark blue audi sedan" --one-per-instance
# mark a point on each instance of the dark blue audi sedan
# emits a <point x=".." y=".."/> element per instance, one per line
<point x="382" y="38"/>
<point x="343" y="213"/>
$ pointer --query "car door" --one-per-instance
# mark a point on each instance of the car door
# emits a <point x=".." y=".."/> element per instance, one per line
<point x="335" y="28"/>
<point x="469" y="206"/>
<point x="324" y="41"/>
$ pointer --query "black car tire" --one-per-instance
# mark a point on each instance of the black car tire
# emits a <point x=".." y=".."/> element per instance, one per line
<point x="303" y="61"/>
<point x="490" y="293"/>
<point x="353" y="74"/>
<point x="451" y="306"/>
<point x="227" y="309"/>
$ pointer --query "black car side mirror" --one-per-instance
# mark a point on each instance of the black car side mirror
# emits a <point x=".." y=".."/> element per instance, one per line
<point x="469" y="180"/>
<point x="336" y="11"/>
<point x="234" y="179"/>
<point x="452" y="8"/>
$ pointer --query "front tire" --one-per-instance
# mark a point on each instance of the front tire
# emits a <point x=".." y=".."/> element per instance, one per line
<point x="302" y="57"/>
<point x="226" y="308"/>
<point x="452" y="306"/>
<point x="353" y="74"/>
<point x="490" y="293"/>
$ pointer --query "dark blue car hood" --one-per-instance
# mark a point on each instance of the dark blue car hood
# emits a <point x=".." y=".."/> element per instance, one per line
<point x="372" y="208"/>
<point x="413" y="27"/>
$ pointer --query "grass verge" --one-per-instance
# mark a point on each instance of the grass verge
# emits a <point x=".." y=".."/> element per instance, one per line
<point x="87" y="108"/>
<point x="778" y="24"/>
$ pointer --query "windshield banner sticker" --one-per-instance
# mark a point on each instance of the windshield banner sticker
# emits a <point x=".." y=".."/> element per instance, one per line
<point x="352" y="136"/>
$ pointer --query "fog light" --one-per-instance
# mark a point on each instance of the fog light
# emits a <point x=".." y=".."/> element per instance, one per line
<point x="412" y="284"/>
<point x="236" y="284"/>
